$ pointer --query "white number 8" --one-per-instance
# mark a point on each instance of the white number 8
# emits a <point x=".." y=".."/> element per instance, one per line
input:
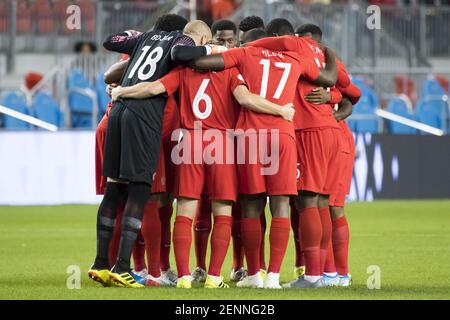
<point x="201" y="95"/>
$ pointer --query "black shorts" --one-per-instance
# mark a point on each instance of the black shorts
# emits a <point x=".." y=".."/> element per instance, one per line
<point x="131" y="146"/>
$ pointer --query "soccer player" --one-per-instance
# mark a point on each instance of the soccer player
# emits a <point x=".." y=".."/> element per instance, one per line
<point x="336" y="266"/>
<point x="133" y="144"/>
<point x="217" y="112"/>
<point x="224" y="33"/>
<point x="319" y="148"/>
<point x="274" y="75"/>
<point x="247" y="24"/>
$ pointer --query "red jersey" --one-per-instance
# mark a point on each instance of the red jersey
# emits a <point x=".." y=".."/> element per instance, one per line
<point x="206" y="97"/>
<point x="171" y="118"/>
<point x="274" y="76"/>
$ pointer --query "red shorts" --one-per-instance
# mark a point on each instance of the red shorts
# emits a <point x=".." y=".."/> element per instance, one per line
<point x="100" y="136"/>
<point x="320" y="156"/>
<point x="337" y="199"/>
<point x="171" y="122"/>
<point x="276" y="174"/>
<point x="201" y="175"/>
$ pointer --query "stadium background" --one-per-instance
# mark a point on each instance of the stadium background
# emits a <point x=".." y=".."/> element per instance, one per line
<point x="55" y="74"/>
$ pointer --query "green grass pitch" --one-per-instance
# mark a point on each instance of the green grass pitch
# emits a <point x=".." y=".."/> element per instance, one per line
<point x="408" y="240"/>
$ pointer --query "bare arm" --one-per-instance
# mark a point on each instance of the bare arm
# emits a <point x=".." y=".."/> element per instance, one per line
<point x="328" y="75"/>
<point x="345" y="109"/>
<point x="258" y="104"/>
<point x="139" y="91"/>
<point x="115" y="72"/>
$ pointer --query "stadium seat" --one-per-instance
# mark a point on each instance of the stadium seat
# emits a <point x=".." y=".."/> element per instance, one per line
<point x="80" y="104"/>
<point x="365" y="107"/>
<point x="24" y="23"/>
<point x="103" y="98"/>
<point x="399" y="106"/>
<point x="16" y="101"/>
<point x="433" y="112"/>
<point x="432" y="87"/>
<point x="45" y="108"/>
<point x="42" y="10"/>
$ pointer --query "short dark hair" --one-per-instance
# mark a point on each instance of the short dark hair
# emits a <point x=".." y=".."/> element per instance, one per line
<point x="309" y="28"/>
<point x="223" y="25"/>
<point x="251" y="22"/>
<point x="280" y="27"/>
<point x="253" y="34"/>
<point x="170" y="22"/>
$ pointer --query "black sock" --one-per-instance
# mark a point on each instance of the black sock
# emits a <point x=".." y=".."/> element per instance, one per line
<point x="106" y="220"/>
<point x="138" y="195"/>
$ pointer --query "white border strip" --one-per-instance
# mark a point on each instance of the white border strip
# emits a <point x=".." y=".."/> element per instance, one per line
<point x="32" y="120"/>
<point x="408" y="122"/>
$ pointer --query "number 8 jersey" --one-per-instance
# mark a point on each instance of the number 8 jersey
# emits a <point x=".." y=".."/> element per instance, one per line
<point x="150" y="60"/>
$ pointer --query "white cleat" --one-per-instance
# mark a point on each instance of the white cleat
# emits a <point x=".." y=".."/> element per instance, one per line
<point x="169" y="276"/>
<point x="143" y="273"/>
<point x="238" y="275"/>
<point x="199" y="275"/>
<point x="302" y="283"/>
<point x="254" y="281"/>
<point x="345" y="281"/>
<point x="272" y="281"/>
<point x="331" y="281"/>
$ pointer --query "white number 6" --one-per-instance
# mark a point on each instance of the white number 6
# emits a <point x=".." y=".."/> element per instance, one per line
<point x="201" y="95"/>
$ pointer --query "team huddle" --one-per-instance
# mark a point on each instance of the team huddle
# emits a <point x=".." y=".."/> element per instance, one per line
<point x="225" y="120"/>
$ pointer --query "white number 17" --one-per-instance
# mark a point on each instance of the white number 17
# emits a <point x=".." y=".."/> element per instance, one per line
<point x="265" y="77"/>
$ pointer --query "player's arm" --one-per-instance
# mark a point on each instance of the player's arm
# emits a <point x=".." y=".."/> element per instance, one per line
<point x="115" y="72"/>
<point x="218" y="62"/>
<point x="344" y="110"/>
<point x="123" y="42"/>
<point x="328" y="75"/>
<point x="259" y="104"/>
<point x="138" y="91"/>
<point x="320" y="95"/>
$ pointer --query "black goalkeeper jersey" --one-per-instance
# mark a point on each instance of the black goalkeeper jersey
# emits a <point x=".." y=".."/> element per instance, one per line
<point x="150" y="59"/>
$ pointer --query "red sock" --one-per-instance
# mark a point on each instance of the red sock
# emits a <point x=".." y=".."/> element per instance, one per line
<point x="341" y="238"/>
<point x="202" y="229"/>
<point x="165" y="215"/>
<point x="115" y="240"/>
<point x="139" y="253"/>
<point x="220" y="241"/>
<point x="330" y="267"/>
<point x="311" y="235"/>
<point x="151" y="230"/>
<point x="279" y="237"/>
<point x="251" y="239"/>
<point x="299" y="258"/>
<point x="327" y="228"/>
<point x="262" y="251"/>
<point x="236" y="236"/>
<point x="182" y="239"/>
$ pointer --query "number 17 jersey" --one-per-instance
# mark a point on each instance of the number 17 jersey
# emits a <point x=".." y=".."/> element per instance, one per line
<point x="274" y="76"/>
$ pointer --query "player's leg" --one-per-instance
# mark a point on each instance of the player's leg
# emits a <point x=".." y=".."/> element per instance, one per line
<point x="182" y="239"/>
<point x="252" y="206"/>
<point x="279" y="238"/>
<point x="326" y="253"/>
<point x="238" y="272"/>
<point x="115" y="193"/>
<point x="165" y="214"/>
<point x="262" y="250"/>
<point x="151" y="230"/>
<point x="299" y="268"/>
<point x="220" y="241"/>
<point x="202" y="229"/>
<point x="115" y="240"/>
<point x="340" y="240"/>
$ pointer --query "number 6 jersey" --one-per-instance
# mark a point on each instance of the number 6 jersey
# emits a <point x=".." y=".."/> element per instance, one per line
<point x="150" y="59"/>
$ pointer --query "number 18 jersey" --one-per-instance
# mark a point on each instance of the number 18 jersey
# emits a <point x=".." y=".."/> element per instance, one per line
<point x="150" y="59"/>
